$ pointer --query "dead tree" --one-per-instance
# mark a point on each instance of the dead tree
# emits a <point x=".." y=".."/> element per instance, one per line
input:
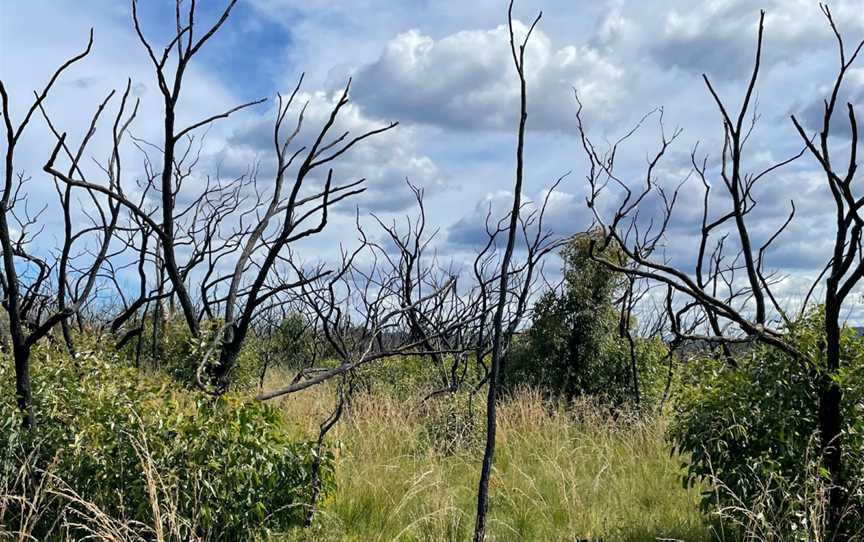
<point x="411" y="271"/>
<point x="198" y="226"/>
<point x="170" y="82"/>
<point x="181" y="221"/>
<point x="344" y="392"/>
<point x="634" y="294"/>
<point x="220" y="220"/>
<point x="362" y="313"/>
<point x="34" y="309"/>
<point x="730" y="290"/>
<point x="294" y="216"/>
<point x="845" y="268"/>
<point x="506" y="294"/>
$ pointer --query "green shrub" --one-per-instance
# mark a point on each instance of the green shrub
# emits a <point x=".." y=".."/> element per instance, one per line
<point x="5" y="339"/>
<point x="754" y="430"/>
<point x="138" y="448"/>
<point x="574" y="346"/>
<point x="289" y="345"/>
<point x="404" y="376"/>
<point x="180" y="354"/>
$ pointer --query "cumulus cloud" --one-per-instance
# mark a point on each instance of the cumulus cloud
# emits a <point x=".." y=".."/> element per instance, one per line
<point x="466" y="80"/>
<point x="443" y="69"/>
<point x="719" y="37"/>
<point x="625" y="58"/>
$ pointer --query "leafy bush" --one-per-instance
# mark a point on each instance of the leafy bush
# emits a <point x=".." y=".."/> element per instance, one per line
<point x="136" y="447"/>
<point x="178" y="353"/>
<point x="573" y="346"/>
<point x="406" y="376"/>
<point x="754" y="430"/>
<point x="290" y="345"/>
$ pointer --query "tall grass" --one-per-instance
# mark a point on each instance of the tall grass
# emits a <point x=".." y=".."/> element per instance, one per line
<point x="409" y="472"/>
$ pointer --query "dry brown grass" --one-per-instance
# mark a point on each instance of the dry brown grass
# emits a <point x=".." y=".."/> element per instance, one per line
<point x="561" y="472"/>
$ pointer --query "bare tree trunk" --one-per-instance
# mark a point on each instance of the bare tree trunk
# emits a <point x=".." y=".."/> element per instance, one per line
<point x="23" y="389"/>
<point x="20" y="351"/>
<point x="831" y="420"/>
<point x="140" y="341"/>
<point x="16" y="305"/>
<point x="67" y="337"/>
<point x="265" y="366"/>
<point x="497" y="322"/>
<point x="626" y="333"/>
<point x="228" y="354"/>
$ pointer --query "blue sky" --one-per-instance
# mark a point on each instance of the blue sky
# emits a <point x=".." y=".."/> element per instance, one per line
<point x="442" y="69"/>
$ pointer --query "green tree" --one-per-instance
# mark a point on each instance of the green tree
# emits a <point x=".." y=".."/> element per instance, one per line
<point x="573" y="347"/>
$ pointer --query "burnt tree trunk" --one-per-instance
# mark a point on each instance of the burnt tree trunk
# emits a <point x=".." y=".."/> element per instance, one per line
<point x="831" y="420"/>
<point x="23" y="388"/>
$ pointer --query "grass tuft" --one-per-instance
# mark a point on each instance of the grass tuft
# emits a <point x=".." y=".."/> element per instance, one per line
<point x="561" y="473"/>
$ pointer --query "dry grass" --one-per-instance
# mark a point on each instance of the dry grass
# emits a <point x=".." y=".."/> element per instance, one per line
<point x="408" y="472"/>
<point x="560" y="474"/>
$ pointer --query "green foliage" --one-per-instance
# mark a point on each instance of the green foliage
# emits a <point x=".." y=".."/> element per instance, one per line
<point x="178" y="353"/>
<point x="400" y="375"/>
<point x="754" y="430"/>
<point x="290" y="345"/>
<point x="574" y="347"/>
<point x="403" y="376"/>
<point x="651" y="366"/>
<point x="131" y="444"/>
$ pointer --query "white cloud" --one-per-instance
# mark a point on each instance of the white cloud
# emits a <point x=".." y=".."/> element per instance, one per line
<point x="718" y="38"/>
<point x="467" y="81"/>
<point x="444" y="70"/>
<point x="564" y="215"/>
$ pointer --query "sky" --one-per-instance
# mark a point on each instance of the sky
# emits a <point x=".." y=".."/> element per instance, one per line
<point x="442" y="69"/>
